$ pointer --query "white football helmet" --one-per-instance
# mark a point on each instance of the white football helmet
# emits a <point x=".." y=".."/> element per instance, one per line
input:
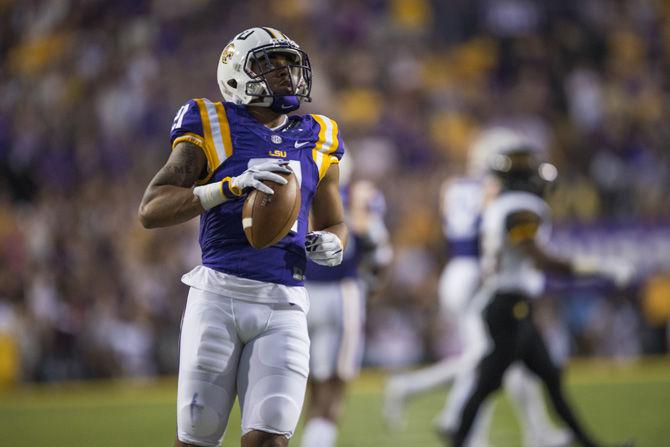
<point x="492" y="143"/>
<point x="251" y="48"/>
<point x="518" y="163"/>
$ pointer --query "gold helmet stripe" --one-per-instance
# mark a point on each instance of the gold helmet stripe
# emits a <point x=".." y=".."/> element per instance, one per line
<point x="269" y="31"/>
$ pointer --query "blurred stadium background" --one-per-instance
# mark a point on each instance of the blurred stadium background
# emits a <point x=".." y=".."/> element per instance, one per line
<point x="87" y="95"/>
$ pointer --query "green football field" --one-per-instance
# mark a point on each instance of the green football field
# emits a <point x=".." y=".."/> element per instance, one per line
<point x="618" y="402"/>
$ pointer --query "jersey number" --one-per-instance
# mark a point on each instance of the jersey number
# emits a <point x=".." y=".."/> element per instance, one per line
<point x="295" y="166"/>
<point x="179" y="117"/>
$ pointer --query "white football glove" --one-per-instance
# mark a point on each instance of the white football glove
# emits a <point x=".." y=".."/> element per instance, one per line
<point x="620" y="272"/>
<point x="324" y="248"/>
<point x="252" y="177"/>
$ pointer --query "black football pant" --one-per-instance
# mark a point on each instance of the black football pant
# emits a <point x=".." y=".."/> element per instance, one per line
<point x="515" y="338"/>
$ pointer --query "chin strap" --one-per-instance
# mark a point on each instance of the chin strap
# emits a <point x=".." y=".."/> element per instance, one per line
<point x="284" y="104"/>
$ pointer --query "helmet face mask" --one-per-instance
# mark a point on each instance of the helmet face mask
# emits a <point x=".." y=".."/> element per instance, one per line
<point x="259" y="67"/>
<point x="247" y="69"/>
<point x="521" y="171"/>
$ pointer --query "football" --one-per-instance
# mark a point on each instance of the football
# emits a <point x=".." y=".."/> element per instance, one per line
<point x="267" y="218"/>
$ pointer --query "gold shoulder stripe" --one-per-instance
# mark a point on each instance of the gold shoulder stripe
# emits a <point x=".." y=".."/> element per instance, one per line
<point x="334" y="144"/>
<point x="213" y="161"/>
<point x="317" y="152"/>
<point x="324" y="167"/>
<point x="216" y="138"/>
<point x="327" y="143"/>
<point x="225" y="129"/>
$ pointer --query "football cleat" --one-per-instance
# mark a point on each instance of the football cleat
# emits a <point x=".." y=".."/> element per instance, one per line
<point x="550" y="438"/>
<point x="395" y="400"/>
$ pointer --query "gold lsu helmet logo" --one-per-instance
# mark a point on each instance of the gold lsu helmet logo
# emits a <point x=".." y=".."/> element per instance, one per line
<point x="227" y="53"/>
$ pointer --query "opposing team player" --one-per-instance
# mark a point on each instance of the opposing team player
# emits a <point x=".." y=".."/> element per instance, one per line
<point x="515" y="228"/>
<point x="244" y="331"/>
<point x="463" y="201"/>
<point x="337" y="312"/>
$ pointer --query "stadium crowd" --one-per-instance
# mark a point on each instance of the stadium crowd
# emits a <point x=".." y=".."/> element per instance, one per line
<point x="90" y="87"/>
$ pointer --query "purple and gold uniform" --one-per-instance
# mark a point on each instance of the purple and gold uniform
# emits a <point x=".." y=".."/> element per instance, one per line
<point x="244" y="331"/>
<point x="232" y="141"/>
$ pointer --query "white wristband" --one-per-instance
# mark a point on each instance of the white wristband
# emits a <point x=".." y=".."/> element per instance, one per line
<point x="583" y="265"/>
<point x="210" y="195"/>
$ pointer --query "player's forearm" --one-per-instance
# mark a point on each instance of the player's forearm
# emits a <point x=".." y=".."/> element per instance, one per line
<point x="547" y="262"/>
<point x="167" y="205"/>
<point x="554" y="265"/>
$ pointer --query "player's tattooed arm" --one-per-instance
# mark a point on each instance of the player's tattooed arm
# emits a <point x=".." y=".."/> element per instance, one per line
<point x="169" y="198"/>
<point x="327" y="211"/>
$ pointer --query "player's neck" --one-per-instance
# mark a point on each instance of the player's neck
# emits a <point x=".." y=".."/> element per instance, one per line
<point x="266" y="116"/>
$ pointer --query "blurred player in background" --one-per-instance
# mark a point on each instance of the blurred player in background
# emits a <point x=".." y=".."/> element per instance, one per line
<point x="244" y="330"/>
<point x="515" y="230"/>
<point x="337" y="306"/>
<point x="463" y="200"/>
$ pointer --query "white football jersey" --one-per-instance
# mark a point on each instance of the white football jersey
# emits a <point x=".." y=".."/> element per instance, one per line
<point x="462" y="204"/>
<point x="462" y="201"/>
<point x="504" y="265"/>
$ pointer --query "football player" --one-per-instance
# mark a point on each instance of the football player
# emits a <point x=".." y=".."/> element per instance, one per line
<point x="463" y="200"/>
<point x="515" y="229"/>
<point x="244" y="330"/>
<point x="337" y="313"/>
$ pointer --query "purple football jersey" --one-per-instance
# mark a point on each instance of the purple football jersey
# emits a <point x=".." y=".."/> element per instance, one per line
<point x="232" y="141"/>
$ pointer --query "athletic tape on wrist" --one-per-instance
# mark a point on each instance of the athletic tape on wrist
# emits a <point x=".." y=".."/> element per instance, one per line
<point x="585" y="266"/>
<point x="210" y="195"/>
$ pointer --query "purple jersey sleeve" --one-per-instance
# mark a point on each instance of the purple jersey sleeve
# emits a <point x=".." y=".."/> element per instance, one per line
<point x="341" y="146"/>
<point x="187" y="125"/>
<point x="329" y="147"/>
<point x="329" y="144"/>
